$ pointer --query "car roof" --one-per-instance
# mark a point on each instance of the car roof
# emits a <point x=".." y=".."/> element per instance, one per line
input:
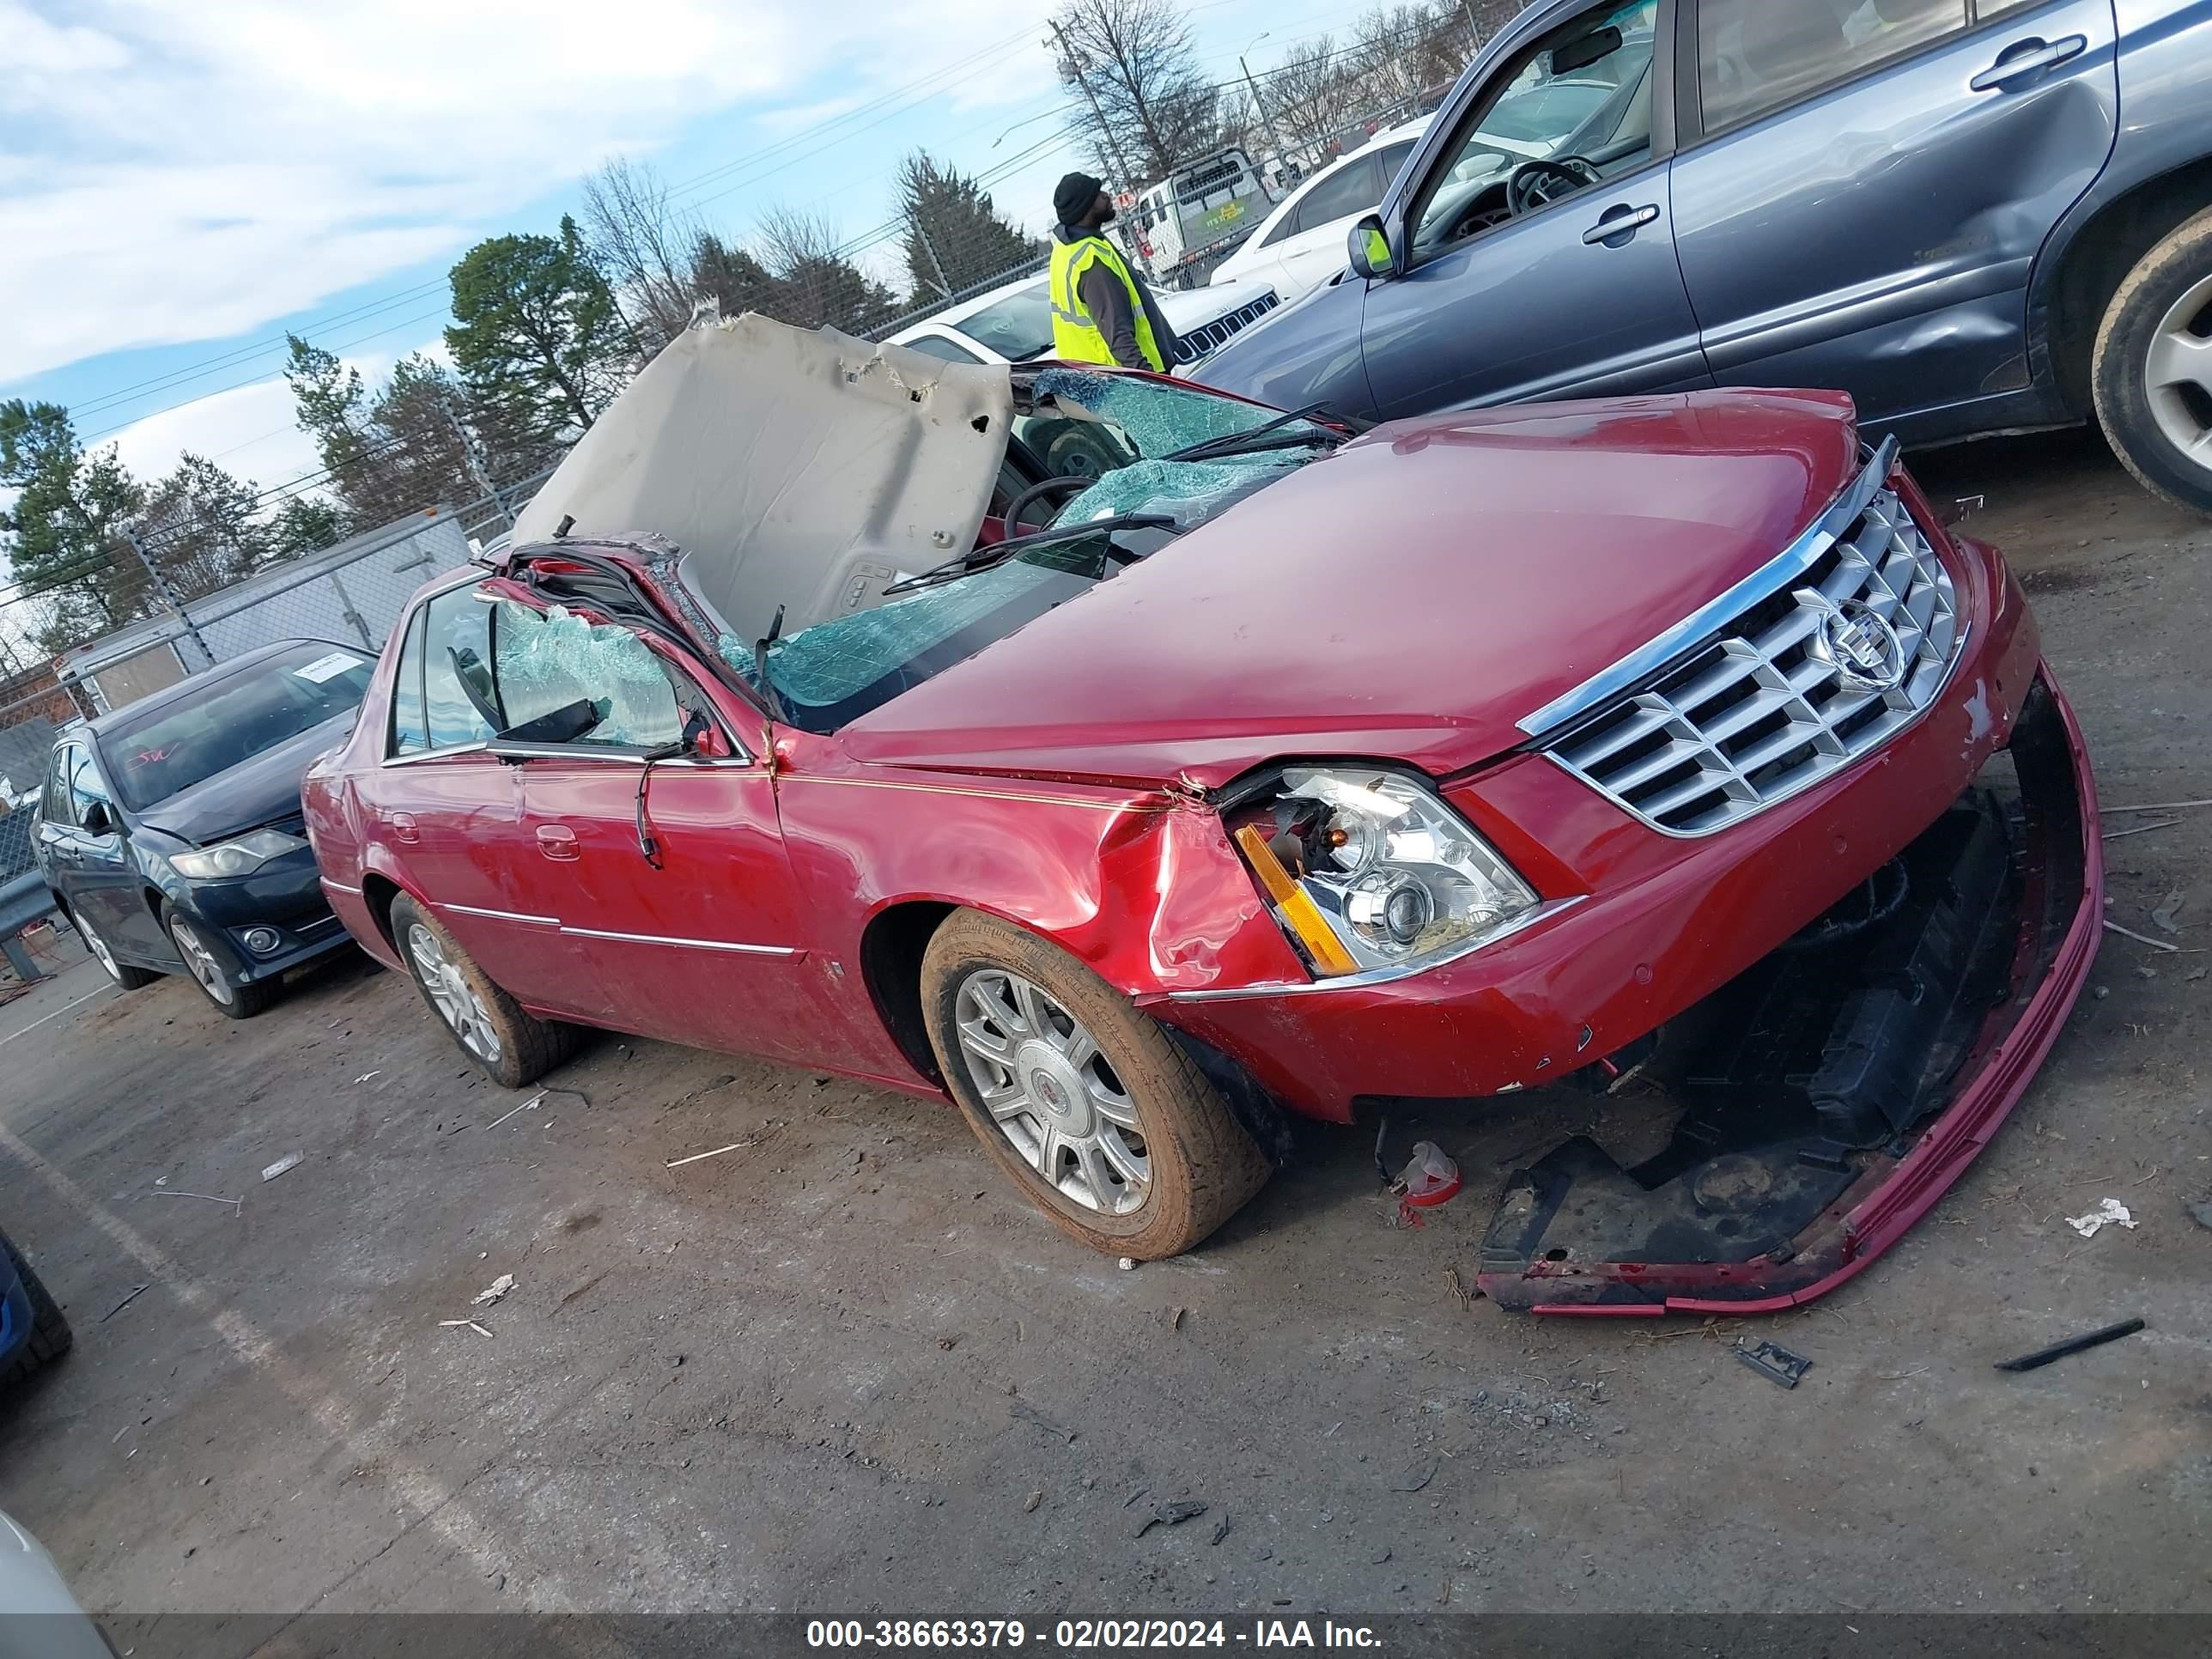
<point x="1388" y="136"/>
<point x="194" y="686"/>
<point x="953" y="316"/>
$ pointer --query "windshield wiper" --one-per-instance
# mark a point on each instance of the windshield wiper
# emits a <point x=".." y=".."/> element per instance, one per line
<point x="1268" y="435"/>
<point x="979" y="559"/>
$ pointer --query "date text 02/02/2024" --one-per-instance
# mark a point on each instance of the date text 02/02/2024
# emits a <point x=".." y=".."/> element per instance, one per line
<point x="1077" y="1635"/>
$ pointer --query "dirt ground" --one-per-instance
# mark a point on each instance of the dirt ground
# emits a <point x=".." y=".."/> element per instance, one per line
<point x="842" y="1369"/>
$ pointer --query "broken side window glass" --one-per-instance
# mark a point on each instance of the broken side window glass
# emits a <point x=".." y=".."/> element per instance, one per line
<point x="458" y="643"/>
<point x="549" y="660"/>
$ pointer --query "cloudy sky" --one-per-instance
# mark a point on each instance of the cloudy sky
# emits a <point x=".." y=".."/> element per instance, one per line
<point x="181" y="183"/>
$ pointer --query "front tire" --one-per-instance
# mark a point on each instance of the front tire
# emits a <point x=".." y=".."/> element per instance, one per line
<point x="205" y="967"/>
<point x="1085" y="1102"/>
<point x="128" y="978"/>
<point x="513" y="1048"/>
<point x="50" y="1337"/>
<point x="2151" y="368"/>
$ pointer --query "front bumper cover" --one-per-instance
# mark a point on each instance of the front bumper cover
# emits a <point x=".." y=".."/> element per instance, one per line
<point x="1831" y="1101"/>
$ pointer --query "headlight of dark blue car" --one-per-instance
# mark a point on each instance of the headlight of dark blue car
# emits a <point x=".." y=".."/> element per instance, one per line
<point x="241" y="857"/>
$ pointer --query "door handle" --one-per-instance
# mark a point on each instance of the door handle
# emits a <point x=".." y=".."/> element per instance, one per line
<point x="403" y="828"/>
<point x="2039" y="56"/>
<point x="556" y="840"/>
<point x="1619" y="221"/>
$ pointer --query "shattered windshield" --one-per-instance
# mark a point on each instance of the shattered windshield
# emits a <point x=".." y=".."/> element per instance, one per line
<point x="1120" y="431"/>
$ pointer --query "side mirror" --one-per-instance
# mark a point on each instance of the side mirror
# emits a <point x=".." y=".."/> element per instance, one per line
<point x="98" y="820"/>
<point x="1369" y="245"/>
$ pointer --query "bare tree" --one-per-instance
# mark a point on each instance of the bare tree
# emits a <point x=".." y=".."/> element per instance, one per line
<point x="1146" y="105"/>
<point x="1315" y="92"/>
<point x="647" y="246"/>
<point x="817" y="283"/>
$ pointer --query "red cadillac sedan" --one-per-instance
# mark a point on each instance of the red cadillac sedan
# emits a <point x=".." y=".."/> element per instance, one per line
<point x="1245" y="765"/>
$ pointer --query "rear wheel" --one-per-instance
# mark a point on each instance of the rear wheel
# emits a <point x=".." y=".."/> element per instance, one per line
<point x="1086" y="1103"/>
<point x="206" y="968"/>
<point x="514" y="1047"/>
<point x="2152" y="371"/>
<point x="131" y="979"/>
<point x="50" y="1336"/>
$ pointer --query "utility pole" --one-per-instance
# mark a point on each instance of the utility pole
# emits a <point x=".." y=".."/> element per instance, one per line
<point x="1128" y="180"/>
<point x="478" y="469"/>
<point x="944" y="282"/>
<point x="1267" y="118"/>
<point x="171" y="599"/>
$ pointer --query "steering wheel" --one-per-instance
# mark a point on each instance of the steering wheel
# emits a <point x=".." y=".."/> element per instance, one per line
<point x="1538" y="183"/>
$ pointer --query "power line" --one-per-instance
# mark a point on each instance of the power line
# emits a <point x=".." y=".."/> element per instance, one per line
<point x="196" y="371"/>
<point x="258" y="378"/>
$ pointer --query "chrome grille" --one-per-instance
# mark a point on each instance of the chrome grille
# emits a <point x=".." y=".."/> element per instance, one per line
<point x="1792" y="686"/>
<point x="1212" y="336"/>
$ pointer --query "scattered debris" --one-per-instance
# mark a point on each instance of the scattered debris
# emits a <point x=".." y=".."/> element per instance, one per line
<point x="735" y="1145"/>
<point x="1458" y="1287"/>
<point x="529" y="1105"/>
<point x="1172" y="1514"/>
<point x="2140" y="939"/>
<point x="1376" y="1558"/>
<point x="236" y="1204"/>
<point x="2042" y="1357"/>
<point x="141" y="1290"/>
<point x="1127" y="1264"/>
<point x="2138" y="829"/>
<point x="365" y="1075"/>
<point x="575" y="1291"/>
<point x="1221" y="1529"/>
<point x="2154" y="806"/>
<point x="1775" y="1362"/>
<point x="1029" y="1503"/>
<point x="2110" y="1213"/>
<point x="2201" y="1213"/>
<point x="2168" y="913"/>
<point x="448" y="1324"/>
<point x="1416" y="1478"/>
<point x="289" y="1161"/>
<point x="492" y="1293"/>
<point x="1174" y="1318"/>
<point x="1430" y="1178"/>
<point x="1028" y="1413"/>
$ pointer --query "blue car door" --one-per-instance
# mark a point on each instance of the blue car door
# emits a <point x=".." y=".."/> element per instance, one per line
<point x="1862" y="187"/>
<point x="1535" y="252"/>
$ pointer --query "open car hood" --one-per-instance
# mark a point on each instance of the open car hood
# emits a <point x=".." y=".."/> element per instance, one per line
<point x="794" y="466"/>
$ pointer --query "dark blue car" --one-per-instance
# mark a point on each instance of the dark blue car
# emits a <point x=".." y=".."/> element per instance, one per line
<point x="1973" y="215"/>
<point x="32" y="1328"/>
<point x="170" y="830"/>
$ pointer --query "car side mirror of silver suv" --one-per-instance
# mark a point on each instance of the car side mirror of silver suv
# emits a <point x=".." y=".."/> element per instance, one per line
<point x="1368" y="246"/>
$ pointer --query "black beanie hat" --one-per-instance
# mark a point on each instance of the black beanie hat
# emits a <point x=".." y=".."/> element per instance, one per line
<point x="1072" y="196"/>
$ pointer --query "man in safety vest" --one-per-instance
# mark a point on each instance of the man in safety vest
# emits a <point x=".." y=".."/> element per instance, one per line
<point x="1101" y="311"/>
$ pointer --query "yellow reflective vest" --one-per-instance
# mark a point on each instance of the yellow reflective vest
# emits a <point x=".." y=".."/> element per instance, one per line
<point x="1075" y="338"/>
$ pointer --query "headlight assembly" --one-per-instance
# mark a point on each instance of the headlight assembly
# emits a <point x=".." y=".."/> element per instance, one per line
<point x="241" y="857"/>
<point x="1368" y="869"/>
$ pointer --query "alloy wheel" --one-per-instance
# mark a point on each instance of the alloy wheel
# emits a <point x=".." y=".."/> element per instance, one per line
<point x="98" y="946"/>
<point x="2178" y="375"/>
<point x="201" y="963"/>
<point x="1051" y="1092"/>
<point x="453" y="996"/>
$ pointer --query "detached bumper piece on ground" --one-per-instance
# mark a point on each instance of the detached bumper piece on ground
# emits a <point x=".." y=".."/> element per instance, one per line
<point x="1831" y="1094"/>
